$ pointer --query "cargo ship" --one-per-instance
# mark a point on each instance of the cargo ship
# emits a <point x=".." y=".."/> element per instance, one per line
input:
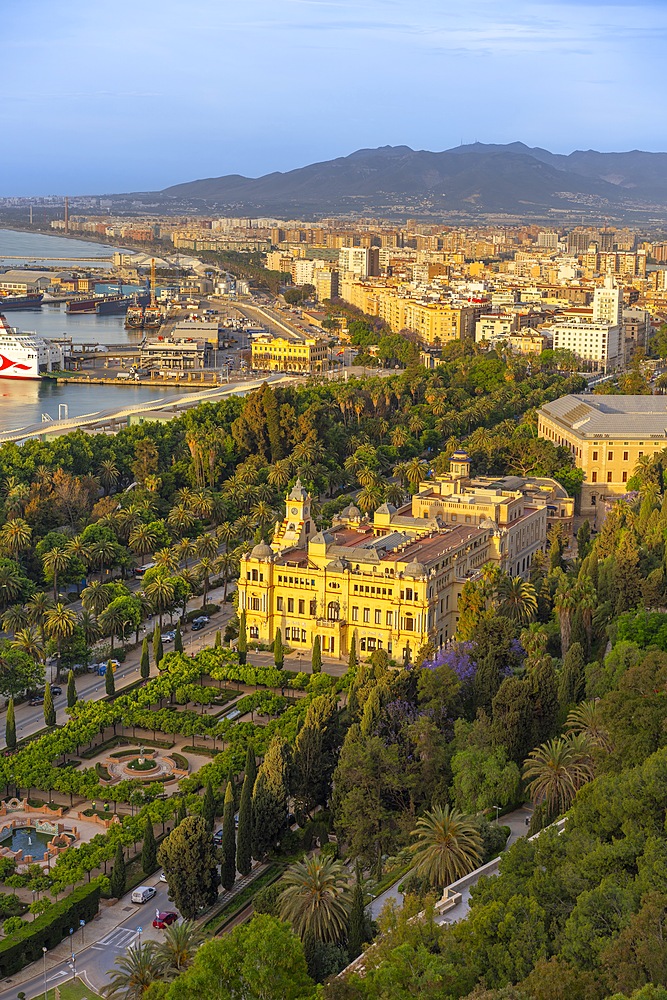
<point x="26" y="355"/>
<point x="32" y="300"/>
<point x="116" y="305"/>
<point x="80" y="307"/>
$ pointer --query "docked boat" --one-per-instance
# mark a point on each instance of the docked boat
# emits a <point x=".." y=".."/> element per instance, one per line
<point x="26" y="355"/>
<point x="134" y="317"/>
<point x="152" y="317"/>
<point x="32" y="300"/>
<point x="81" y="307"/>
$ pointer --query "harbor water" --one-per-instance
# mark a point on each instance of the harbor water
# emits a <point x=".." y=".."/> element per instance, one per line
<point x="23" y="403"/>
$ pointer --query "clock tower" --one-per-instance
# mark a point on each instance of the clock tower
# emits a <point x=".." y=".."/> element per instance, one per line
<point x="297" y="526"/>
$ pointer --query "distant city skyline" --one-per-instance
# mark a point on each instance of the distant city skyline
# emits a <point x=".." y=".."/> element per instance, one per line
<point x="141" y="96"/>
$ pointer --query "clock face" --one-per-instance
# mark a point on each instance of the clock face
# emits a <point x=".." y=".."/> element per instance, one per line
<point x="295" y="510"/>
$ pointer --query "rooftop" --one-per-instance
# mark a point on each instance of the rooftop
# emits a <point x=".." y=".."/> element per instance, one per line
<point x="610" y="416"/>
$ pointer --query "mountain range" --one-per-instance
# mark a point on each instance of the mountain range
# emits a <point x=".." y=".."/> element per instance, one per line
<point x="472" y="179"/>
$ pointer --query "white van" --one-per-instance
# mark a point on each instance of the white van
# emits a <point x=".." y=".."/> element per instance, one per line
<point x="142" y="893"/>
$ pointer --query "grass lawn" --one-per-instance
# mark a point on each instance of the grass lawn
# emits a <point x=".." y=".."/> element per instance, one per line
<point x="69" y="990"/>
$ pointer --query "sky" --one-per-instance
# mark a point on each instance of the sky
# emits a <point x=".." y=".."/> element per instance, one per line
<point x="135" y="96"/>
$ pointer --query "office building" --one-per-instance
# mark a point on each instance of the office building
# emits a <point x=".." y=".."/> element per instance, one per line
<point x="279" y="354"/>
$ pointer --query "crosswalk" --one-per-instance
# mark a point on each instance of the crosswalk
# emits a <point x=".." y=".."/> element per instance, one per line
<point x="120" y="938"/>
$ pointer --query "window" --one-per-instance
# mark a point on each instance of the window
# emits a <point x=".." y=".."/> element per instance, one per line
<point x="333" y="611"/>
<point x="595" y="456"/>
<point x="408" y="593"/>
<point x="610" y="456"/>
<point x="625" y="456"/>
<point x="253" y="632"/>
<point x="254" y="604"/>
<point x="367" y="614"/>
<point x="362" y="645"/>
<point x="279" y="604"/>
<point x="302" y="607"/>
<point x="378" y="617"/>
<point x="390" y="618"/>
<point x="290" y="605"/>
<point x="625" y="477"/>
<point x="254" y="574"/>
<point x="355" y="614"/>
<point x="609" y="475"/>
<point x="313" y="608"/>
<point x="409" y="624"/>
<point x="594" y="477"/>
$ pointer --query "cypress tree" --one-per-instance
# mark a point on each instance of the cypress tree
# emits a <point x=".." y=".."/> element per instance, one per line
<point x="352" y="659"/>
<point x="10" y="726"/>
<point x="71" y="690"/>
<point x="244" y="838"/>
<point x="118" y="877"/>
<point x="158" y="652"/>
<point x="218" y="640"/>
<point x="49" y="709"/>
<point x="110" y="680"/>
<point x="242" y="645"/>
<point x="317" y="655"/>
<point x="356" y="931"/>
<point x="269" y="800"/>
<point x="148" y="849"/>
<point x="272" y="414"/>
<point x="182" y="811"/>
<point x="572" y="680"/>
<point x="178" y="639"/>
<point x="208" y="807"/>
<point x="145" y="667"/>
<point x="228" y="840"/>
<point x="278" y="652"/>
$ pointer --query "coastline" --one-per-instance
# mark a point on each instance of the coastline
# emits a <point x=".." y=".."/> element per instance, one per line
<point x="80" y="237"/>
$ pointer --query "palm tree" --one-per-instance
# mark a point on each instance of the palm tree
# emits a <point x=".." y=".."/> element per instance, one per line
<point x="555" y="771"/>
<point x="55" y="562"/>
<point x="263" y="514"/>
<point x="166" y="559"/>
<point x="37" y="606"/>
<point x="78" y="549"/>
<point x="370" y="497"/>
<point x="207" y="546"/>
<point x="102" y="554"/>
<point x="226" y="533"/>
<point x="586" y="720"/>
<point x="415" y="471"/>
<point x="15" y="536"/>
<point x="177" y="948"/>
<point x="108" y="474"/>
<point x="15" y="618"/>
<point x="205" y="569"/>
<point x="112" y="622"/>
<point x="518" y="600"/>
<point x="96" y="596"/>
<point x="228" y="565"/>
<point x="316" y="899"/>
<point x="11" y="583"/>
<point x="202" y="503"/>
<point x="135" y="971"/>
<point x="28" y="641"/>
<point x="185" y="550"/>
<point x="59" y="623"/>
<point x="160" y="592"/>
<point x="244" y="527"/>
<point x="587" y="602"/>
<point x="279" y="474"/>
<point x="16" y="498"/>
<point x="142" y="540"/>
<point x="181" y="519"/>
<point x="448" y="846"/>
<point x="399" y="436"/>
<point x="90" y="627"/>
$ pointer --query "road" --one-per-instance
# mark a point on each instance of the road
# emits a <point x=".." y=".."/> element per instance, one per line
<point x="91" y="687"/>
<point x="93" y="961"/>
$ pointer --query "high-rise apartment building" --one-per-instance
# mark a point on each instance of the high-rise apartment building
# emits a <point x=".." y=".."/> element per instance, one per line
<point x="362" y="261"/>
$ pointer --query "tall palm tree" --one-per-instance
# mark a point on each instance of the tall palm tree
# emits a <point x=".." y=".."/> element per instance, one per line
<point x="263" y="514"/>
<point x="586" y="719"/>
<point x="181" y="519"/>
<point x="226" y="533"/>
<point x="108" y="474"/>
<point x="167" y="559"/>
<point x="416" y="470"/>
<point x="556" y="770"/>
<point x="97" y="596"/>
<point x="185" y="550"/>
<point x="228" y="565"/>
<point x="178" y="946"/>
<point x="14" y="618"/>
<point x="207" y="546"/>
<point x="59" y="623"/>
<point x="160" y="592"/>
<point x="202" y="503"/>
<point x="142" y="540"/>
<point x="103" y="554"/>
<point x="55" y="562"/>
<point x="37" y="606"/>
<point x="316" y="899"/>
<point x="518" y="600"/>
<point x="370" y="497"/>
<point x="587" y="601"/>
<point x="15" y="536"/>
<point x="90" y="626"/>
<point x="279" y="474"/>
<point x="16" y="498"/>
<point x="11" y="584"/>
<point x="244" y="527"/>
<point x="78" y="549"/>
<point x="205" y="570"/>
<point x="448" y="846"/>
<point x="134" y="972"/>
<point x="28" y="641"/>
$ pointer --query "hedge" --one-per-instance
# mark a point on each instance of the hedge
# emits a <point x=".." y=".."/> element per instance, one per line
<point x="49" y="929"/>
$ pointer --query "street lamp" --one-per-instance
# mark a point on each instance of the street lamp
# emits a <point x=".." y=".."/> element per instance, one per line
<point x="497" y="808"/>
<point x="44" y="950"/>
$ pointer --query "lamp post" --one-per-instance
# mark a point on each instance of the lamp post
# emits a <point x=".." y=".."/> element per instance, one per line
<point x="44" y="950"/>
<point x="497" y="808"/>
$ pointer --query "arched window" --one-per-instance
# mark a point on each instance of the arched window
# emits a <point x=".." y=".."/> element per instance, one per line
<point x="333" y="611"/>
<point x="409" y="623"/>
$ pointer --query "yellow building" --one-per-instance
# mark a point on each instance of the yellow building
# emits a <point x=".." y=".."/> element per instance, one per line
<point x="394" y="582"/>
<point x="279" y="354"/>
<point x="607" y="435"/>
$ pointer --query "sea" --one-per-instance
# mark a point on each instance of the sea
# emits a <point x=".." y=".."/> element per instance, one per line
<point x="23" y="403"/>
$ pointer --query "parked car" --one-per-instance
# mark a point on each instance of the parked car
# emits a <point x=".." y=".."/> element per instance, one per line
<point x="198" y="626"/>
<point x="204" y="619"/>
<point x="217" y="838"/>
<point x="168" y="636"/>
<point x="143" y="893"/>
<point x="56" y="689"/>
<point x="37" y="700"/>
<point x="164" y="918"/>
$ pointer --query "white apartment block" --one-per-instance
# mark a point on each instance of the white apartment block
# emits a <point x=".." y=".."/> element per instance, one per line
<point x="362" y="261"/>
<point x="494" y="327"/>
<point x="597" y="343"/>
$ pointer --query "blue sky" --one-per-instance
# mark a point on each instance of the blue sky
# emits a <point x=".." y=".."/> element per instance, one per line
<point x="139" y="95"/>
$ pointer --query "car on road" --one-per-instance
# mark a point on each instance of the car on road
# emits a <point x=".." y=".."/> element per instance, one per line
<point x="143" y="893"/>
<point x="164" y="918"/>
<point x="37" y="700"/>
<point x="56" y="689"/>
<point x="200" y="623"/>
<point x="168" y="636"/>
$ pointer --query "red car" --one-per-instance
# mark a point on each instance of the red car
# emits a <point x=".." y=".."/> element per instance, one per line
<point x="164" y="919"/>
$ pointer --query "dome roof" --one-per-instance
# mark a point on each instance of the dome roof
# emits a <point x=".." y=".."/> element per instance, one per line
<point x="351" y="511"/>
<point x="414" y="570"/>
<point x="262" y="551"/>
<point x="460" y="455"/>
<point x="338" y="565"/>
<point x="386" y="508"/>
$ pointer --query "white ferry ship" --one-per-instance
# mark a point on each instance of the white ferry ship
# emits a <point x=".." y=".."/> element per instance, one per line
<point x="26" y="355"/>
